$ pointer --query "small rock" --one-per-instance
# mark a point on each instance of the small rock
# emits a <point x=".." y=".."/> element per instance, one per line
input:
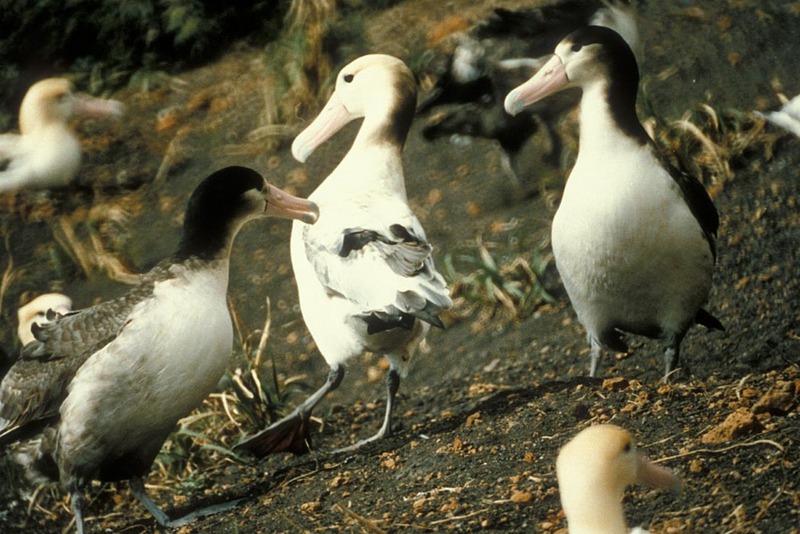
<point x="474" y="209"/>
<point x="749" y="393"/>
<point x="615" y="384"/>
<point x="742" y="422"/>
<point x="779" y="400"/>
<point x="696" y="466"/>
<point x="340" y="480"/>
<point x="389" y="461"/>
<point x="521" y="496"/>
<point x="473" y="419"/>
<point x="310" y="507"/>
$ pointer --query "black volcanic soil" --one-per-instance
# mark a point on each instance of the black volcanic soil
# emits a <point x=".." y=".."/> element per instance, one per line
<point x="492" y="398"/>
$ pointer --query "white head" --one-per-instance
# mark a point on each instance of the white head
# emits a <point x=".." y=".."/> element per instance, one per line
<point x="53" y="101"/>
<point x="375" y="85"/>
<point x="593" y="54"/>
<point x="593" y="470"/>
<point x="35" y="312"/>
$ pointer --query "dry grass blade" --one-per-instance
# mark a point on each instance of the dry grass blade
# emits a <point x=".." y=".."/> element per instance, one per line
<point x="93" y="256"/>
<point x="723" y="449"/>
<point x="459" y="517"/>
<point x="71" y="245"/>
<point x="109" y="263"/>
<point x="8" y="272"/>
<point x="368" y="525"/>
<point x="244" y="390"/>
<point x="718" y="164"/>
<point x="262" y="343"/>
<point x="175" y="153"/>
<point x="226" y="406"/>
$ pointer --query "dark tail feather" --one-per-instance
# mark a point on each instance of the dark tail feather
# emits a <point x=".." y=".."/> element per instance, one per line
<point x="709" y="321"/>
<point x="430" y="317"/>
<point x="377" y="323"/>
<point x="287" y="435"/>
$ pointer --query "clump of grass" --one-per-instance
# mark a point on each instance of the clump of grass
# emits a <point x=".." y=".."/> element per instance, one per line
<point x="513" y="288"/>
<point x="712" y="144"/>
<point x="84" y="237"/>
<point x="298" y="68"/>
<point x="129" y="39"/>
<point x="260" y="395"/>
<point x="300" y="64"/>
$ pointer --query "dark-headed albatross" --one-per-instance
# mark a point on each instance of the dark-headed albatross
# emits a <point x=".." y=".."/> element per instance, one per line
<point x="365" y="274"/>
<point x="633" y="238"/>
<point x="46" y="152"/>
<point x="114" y="379"/>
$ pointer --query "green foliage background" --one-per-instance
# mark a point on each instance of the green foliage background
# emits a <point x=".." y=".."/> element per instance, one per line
<point x="106" y="43"/>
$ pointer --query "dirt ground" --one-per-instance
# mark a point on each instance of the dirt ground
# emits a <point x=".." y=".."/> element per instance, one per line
<point x="491" y="398"/>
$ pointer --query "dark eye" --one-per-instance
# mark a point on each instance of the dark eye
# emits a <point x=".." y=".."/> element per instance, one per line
<point x="348" y="78"/>
<point x="576" y="47"/>
<point x="627" y="445"/>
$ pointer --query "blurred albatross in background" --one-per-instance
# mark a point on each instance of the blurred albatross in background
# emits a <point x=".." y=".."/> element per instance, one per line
<point x="46" y="152"/>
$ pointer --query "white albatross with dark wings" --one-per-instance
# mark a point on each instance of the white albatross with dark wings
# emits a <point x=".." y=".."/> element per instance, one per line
<point x="365" y="275"/>
<point x="633" y="238"/>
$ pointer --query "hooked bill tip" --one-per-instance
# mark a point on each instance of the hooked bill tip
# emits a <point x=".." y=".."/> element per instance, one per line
<point x="300" y="152"/>
<point x="512" y="104"/>
<point x="312" y="216"/>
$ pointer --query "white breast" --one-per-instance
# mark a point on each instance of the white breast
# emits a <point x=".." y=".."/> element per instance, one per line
<point x="55" y="155"/>
<point x="48" y="157"/>
<point x="367" y="191"/>
<point x="167" y="360"/>
<point x="626" y="244"/>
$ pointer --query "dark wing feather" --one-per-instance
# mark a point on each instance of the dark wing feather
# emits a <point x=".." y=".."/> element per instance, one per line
<point x="388" y="272"/>
<point x="404" y="253"/>
<point x="698" y="200"/>
<point x="36" y="385"/>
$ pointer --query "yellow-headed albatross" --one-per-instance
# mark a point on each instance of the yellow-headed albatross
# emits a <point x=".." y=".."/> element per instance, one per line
<point x="46" y="152"/>
<point x="365" y="274"/>
<point x="633" y="238"/>
<point x="43" y="309"/>
<point x="593" y="470"/>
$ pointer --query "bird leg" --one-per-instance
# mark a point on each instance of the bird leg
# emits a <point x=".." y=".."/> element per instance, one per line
<point x="392" y="385"/>
<point x="672" y="352"/>
<point x="137" y="488"/>
<point x="595" y="353"/>
<point x="77" y="505"/>
<point x="290" y="434"/>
